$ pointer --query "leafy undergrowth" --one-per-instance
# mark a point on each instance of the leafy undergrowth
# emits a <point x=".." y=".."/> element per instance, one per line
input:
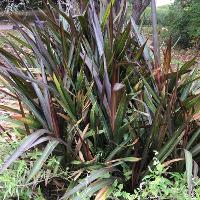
<point x="49" y="183"/>
<point x="160" y="184"/>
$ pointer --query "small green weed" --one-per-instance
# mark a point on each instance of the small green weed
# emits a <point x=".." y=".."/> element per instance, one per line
<point x="13" y="180"/>
<point x="159" y="184"/>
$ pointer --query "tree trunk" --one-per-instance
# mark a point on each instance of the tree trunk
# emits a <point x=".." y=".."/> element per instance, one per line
<point x="138" y="7"/>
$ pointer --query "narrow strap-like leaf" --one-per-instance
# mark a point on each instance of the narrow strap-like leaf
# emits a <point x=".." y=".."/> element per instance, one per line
<point x="189" y="166"/>
<point x="141" y="40"/>
<point x="23" y="147"/>
<point x="93" y="188"/>
<point x="45" y="154"/>
<point x="95" y="175"/>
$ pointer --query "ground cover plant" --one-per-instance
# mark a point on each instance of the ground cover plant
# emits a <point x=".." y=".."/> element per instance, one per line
<point x="92" y="97"/>
<point x="160" y="184"/>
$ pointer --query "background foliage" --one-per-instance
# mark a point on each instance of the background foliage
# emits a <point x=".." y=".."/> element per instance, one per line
<point x="183" y="21"/>
<point x="17" y="5"/>
<point x="162" y="14"/>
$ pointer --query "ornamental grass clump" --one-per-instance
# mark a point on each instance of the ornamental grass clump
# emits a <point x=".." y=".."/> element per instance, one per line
<point x="93" y="97"/>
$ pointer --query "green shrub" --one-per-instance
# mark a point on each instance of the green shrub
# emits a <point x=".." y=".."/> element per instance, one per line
<point x="184" y="23"/>
<point x="162" y="14"/>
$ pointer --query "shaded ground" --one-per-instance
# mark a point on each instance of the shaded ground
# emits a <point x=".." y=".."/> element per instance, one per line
<point x="184" y="55"/>
<point x="179" y="56"/>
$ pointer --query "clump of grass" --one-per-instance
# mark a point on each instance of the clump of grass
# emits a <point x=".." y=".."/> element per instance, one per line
<point x="97" y="100"/>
